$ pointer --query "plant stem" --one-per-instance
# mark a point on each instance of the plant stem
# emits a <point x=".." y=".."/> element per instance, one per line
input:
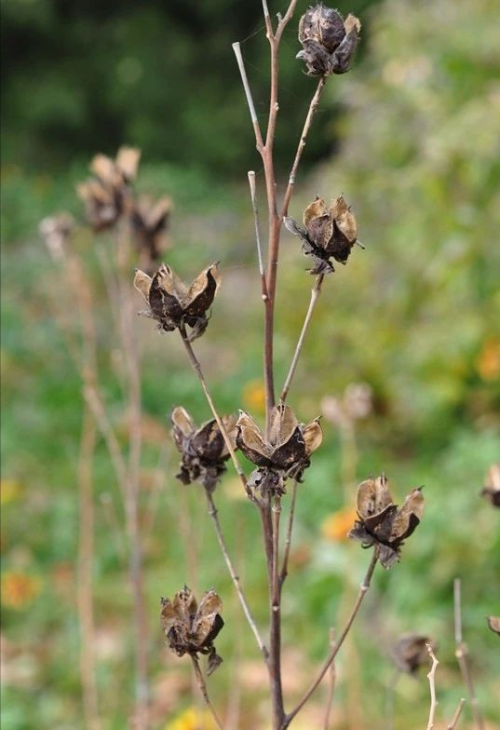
<point x="313" y="106"/>
<point x="199" y="372"/>
<point x="315" y="292"/>
<point x="212" y="511"/>
<point x="462" y="655"/>
<point x="331" y="688"/>
<point x="203" y="689"/>
<point x="431" y="676"/>
<point x="288" y="534"/>
<point x="456" y="717"/>
<point x="365" y="585"/>
<point x="258" y="235"/>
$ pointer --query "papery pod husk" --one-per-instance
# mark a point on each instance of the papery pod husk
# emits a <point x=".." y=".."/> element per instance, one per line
<point x="202" y="292"/>
<point x="322" y="25"/>
<point x="250" y="441"/>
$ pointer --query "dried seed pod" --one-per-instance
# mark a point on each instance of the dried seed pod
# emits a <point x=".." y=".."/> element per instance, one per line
<point x="491" y="490"/>
<point x="107" y="196"/>
<point x="173" y="304"/>
<point x="328" y="42"/>
<point x="383" y="524"/>
<point x="191" y="628"/>
<point x="410" y="652"/>
<point x="286" y="452"/>
<point x="328" y="232"/>
<point x="204" y="451"/>
<point x="494" y="623"/>
<point x="150" y="220"/>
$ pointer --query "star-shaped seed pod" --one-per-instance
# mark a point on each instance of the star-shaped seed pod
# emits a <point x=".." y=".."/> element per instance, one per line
<point x="410" y="652"/>
<point x="491" y="490"/>
<point x="383" y="524"/>
<point x="175" y="305"/>
<point x="108" y="195"/>
<point x="150" y="221"/>
<point x="329" y="232"/>
<point x="204" y="451"/>
<point x="494" y="623"/>
<point x="285" y="453"/>
<point x="191" y="628"/>
<point x="328" y="41"/>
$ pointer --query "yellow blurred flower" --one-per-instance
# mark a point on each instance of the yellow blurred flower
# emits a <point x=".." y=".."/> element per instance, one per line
<point x="19" y="589"/>
<point x="192" y="719"/>
<point x="254" y="396"/>
<point x="336" y="526"/>
<point x="10" y="490"/>
<point x="488" y="360"/>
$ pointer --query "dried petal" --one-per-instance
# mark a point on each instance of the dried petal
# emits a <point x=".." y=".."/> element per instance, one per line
<point x="316" y="209"/>
<point x="127" y="161"/>
<point x="408" y="516"/>
<point x="494" y="623"/>
<point x="202" y="292"/>
<point x="249" y="439"/>
<point x="313" y="436"/>
<point x="373" y="497"/>
<point x="142" y="283"/>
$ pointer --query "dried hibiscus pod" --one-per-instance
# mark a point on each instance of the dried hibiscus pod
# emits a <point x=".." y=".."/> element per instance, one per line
<point x="150" y="219"/>
<point x="494" y="624"/>
<point x="285" y="452"/>
<point x="383" y="524"/>
<point x="491" y="490"/>
<point x="204" y="451"/>
<point x="328" y="42"/>
<point x="410" y="652"/>
<point x="328" y="232"/>
<point x="173" y="304"/>
<point x="107" y="195"/>
<point x="191" y="628"/>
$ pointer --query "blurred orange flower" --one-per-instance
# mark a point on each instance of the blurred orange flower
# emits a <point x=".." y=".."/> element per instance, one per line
<point x="336" y="526"/>
<point x="192" y="719"/>
<point x="9" y="490"/>
<point x="19" y="589"/>
<point x="488" y="360"/>
<point x="254" y="396"/>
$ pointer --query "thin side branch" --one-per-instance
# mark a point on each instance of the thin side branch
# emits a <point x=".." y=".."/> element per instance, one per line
<point x="251" y="106"/>
<point x="456" y="717"/>
<point x="212" y="511"/>
<point x="331" y="688"/>
<point x="313" y="106"/>
<point x="199" y="372"/>
<point x="258" y="235"/>
<point x="203" y="689"/>
<point x="288" y="534"/>
<point x="462" y="655"/>
<point x="365" y="585"/>
<point x="431" y="676"/>
<point x="315" y="292"/>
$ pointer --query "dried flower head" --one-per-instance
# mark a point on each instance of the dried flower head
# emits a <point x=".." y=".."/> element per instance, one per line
<point x="192" y="629"/>
<point x="494" y="623"/>
<point x="175" y="305"/>
<point x="410" y="652"/>
<point x="204" y="451"/>
<point x="150" y="220"/>
<point x="355" y="404"/>
<point x="55" y="231"/>
<point x="383" y="524"/>
<point x="286" y="452"/>
<point x="328" y="42"/>
<point x="328" y="232"/>
<point x="491" y="490"/>
<point x="107" y="195"/>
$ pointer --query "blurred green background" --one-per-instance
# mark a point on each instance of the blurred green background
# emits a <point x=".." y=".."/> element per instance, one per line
<point x="410" y="137"/>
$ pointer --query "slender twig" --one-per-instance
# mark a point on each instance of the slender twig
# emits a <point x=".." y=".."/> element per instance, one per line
<point x="456" y="717"/>
<point x="199" y="372"/>
<point x="365" y="585"/>
<point x="258" y="235"/>
<point x="251" y="106"/>
<point x="267" y="19"/>
<point x="315" y="292"/>
<point x="462" y="655"/>
<point x="203" y="689"/>
<point x="431" y="676"/>
<point x="85" y="567"/>
<point x="212" y="511"/>
<point x="313" y="106"/>
<point x="288" y="534"/>
<point x="331" y="687"/>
